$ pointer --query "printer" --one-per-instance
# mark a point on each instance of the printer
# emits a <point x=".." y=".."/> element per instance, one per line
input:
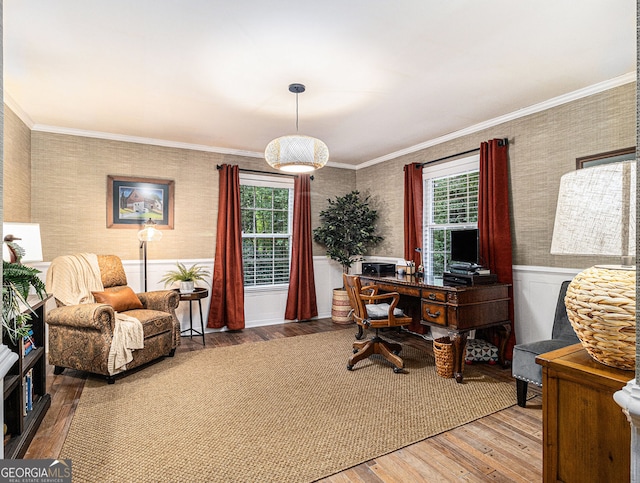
<point x="379" y="269"/>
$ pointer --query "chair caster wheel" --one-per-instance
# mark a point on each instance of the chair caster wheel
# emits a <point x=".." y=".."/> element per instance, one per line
<point x="349" y="367"/>
<point x="398" y="370"/>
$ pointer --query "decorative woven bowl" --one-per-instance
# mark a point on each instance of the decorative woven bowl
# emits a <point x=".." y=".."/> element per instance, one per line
<point x="601" y="305"/>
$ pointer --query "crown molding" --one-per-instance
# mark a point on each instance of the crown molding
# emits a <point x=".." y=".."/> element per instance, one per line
<point x="526" y="111"/>
<point x="556" y="101"/>
<point x="18" y="111"/>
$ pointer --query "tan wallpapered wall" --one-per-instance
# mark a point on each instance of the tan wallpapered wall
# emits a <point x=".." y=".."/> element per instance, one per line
<point x="69" y="177"/>
<point x="542" y="147"/>
<point x="70" y="183"/>
<point x="17" y="169"/>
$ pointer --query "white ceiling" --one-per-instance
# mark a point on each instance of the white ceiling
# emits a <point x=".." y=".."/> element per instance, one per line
<point x="381" y="75"/>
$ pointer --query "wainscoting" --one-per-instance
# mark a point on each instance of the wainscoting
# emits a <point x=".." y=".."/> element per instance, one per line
<point x="535" y="293"/>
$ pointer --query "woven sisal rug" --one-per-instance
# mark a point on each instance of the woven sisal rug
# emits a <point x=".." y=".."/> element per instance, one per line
<point x="285" y="410"/>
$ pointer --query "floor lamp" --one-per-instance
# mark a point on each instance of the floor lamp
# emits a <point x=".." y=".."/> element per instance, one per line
<point x="148" y="233"/>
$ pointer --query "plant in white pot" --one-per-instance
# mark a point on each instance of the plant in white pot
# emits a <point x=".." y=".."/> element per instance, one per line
<point x="347" y="231"/>
<point x="187" y="277"/>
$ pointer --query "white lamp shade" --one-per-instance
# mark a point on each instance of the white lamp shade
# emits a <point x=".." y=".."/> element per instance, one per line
<point x="296" y="153"/>
<point x="27" y="236"/>
<point x="149" y="234"/>
<point x="596" y="212"/>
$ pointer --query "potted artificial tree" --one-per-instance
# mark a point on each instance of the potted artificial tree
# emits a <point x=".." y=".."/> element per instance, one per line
<point x="187" y="277"/>
<point x="347" y="231"/>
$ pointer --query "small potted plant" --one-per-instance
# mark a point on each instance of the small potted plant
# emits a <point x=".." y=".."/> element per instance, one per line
<point x="188" y="277"/>
<point x="17" y="280"/>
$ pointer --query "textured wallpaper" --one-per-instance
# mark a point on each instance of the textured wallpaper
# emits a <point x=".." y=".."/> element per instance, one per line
<point x="542" y="147"/>
<point x="66" y="192"/>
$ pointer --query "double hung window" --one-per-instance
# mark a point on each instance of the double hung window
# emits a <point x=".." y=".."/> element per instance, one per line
<point x="450" y="203"/>
<point x="267" y="213"/>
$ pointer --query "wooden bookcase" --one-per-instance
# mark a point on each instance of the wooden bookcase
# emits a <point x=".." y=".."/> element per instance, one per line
<point x="22" y="424"/>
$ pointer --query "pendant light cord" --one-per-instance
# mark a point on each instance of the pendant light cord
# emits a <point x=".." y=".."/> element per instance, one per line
<point x="296" y="112"/>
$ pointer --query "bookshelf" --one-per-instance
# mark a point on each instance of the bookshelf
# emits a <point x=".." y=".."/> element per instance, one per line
<point x="22" y="424"/>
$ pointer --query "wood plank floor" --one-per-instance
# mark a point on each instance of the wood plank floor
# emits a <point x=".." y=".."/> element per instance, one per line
<point x="503" y="447"/>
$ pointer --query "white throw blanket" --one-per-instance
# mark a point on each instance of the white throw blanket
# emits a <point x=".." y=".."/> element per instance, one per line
<point x="71" y="279"/>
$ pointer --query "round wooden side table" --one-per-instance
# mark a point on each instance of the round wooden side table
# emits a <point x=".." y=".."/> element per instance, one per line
<point x="198" y="294"/>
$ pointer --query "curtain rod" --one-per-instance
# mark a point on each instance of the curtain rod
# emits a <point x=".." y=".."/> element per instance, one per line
<point x="501" y="142"/>
<point x="219" y="167"/>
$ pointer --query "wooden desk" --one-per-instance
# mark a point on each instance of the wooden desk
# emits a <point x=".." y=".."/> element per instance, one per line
<point x="586" y="437"/>
<point x="458" y="309"/>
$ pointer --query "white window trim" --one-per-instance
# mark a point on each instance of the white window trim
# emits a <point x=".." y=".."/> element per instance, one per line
<point x="440" y="170"/>
<point x="266" y="181"/>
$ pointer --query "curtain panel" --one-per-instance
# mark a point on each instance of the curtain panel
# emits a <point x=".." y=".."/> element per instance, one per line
<point x="412" y="212"/>
<point x="413" y="227"/>
<point x="227" y="287"/>
<point x="301" y="299"/>
<point x="494" y="223"/>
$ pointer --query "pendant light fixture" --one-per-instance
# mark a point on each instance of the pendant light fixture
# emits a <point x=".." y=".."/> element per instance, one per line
<point x="296" y="153"/>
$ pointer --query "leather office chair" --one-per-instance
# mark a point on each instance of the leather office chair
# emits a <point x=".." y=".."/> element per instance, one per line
<point x="369" y="313"/>
<point x="524" y="367"/>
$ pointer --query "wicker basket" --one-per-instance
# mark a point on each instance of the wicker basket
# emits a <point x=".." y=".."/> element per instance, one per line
<point x="443" y="353"/>
<point x="601" y="305"/>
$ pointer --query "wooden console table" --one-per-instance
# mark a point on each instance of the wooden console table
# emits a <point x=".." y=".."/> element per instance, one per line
<point x="459" y="309"/>
<point x="586" y="436"/>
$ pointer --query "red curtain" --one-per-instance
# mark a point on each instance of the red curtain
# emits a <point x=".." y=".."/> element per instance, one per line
<point x="494" y="225"/>
<point x="413" y="228"/>
<point x="227" y="287"/>
<point x="301" y="299"/>
<point x="412" y="212"/>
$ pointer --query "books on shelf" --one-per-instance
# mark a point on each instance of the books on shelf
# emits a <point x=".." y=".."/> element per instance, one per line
<point x="28" y="344"/>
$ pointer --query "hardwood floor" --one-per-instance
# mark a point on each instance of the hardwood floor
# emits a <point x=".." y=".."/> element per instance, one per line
<point x="505" y="446"/>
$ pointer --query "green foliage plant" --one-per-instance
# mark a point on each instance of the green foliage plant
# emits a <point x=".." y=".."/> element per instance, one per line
<point x="17" y="280"/>
<point x="348" y="229"/>
<point x="195" y="273"/>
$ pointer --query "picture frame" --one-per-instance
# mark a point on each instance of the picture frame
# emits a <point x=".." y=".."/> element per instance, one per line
<point x="131" y="201"/>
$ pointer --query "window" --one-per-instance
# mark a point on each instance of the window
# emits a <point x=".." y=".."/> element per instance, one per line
<point x="450" y="203"/>
<point x="267" y="212"/>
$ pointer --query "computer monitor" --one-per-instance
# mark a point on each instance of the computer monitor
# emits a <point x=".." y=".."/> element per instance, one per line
<point x="464" y="246"/>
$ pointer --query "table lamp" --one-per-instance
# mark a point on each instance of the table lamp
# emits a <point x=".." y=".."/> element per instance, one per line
<point x="596" y="215"/>
<point x="148" y="233"/>
<point x="22" y="242"/>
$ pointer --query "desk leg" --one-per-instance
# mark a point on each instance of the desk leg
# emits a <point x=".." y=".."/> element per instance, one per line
<point x="504" y="332"/>
<point x="459" y="345"/>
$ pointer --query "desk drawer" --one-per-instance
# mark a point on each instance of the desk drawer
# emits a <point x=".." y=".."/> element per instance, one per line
<point x="434" y="295"/>
<point x="434" y="313"/>
<point x="401" y="289"/>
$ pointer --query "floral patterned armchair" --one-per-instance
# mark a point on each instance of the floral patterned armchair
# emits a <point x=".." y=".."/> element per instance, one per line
<point x="80" y="336"/>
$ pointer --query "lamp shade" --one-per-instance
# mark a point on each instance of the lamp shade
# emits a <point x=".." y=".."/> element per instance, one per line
<point x="596" y="212"/>
<point x="149" y="233"/>
<point x="27" y="237"/>
<point x="296" y="153"/>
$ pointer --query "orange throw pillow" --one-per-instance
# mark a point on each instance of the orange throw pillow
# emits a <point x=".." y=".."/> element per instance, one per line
<point x="121" y="299"/>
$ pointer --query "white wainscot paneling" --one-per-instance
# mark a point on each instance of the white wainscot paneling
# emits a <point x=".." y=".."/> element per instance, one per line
<point x="535" y="294"/>
<point x="262" y="307"/>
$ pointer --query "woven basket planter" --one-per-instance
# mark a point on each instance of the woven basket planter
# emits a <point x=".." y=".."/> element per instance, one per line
<point x="443" y="353"/>
<point x="601" y="305"/>
<point x="341" y="307"/>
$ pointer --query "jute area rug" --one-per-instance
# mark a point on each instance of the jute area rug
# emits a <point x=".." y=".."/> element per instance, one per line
<point x="285" y="410"/>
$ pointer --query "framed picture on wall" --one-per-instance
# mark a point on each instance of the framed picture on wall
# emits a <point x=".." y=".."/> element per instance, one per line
<point x="132" y="201"/>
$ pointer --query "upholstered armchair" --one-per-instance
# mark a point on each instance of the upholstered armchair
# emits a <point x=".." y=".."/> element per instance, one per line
<point x="81" y="335"/>
<point x="524" y="367"/>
